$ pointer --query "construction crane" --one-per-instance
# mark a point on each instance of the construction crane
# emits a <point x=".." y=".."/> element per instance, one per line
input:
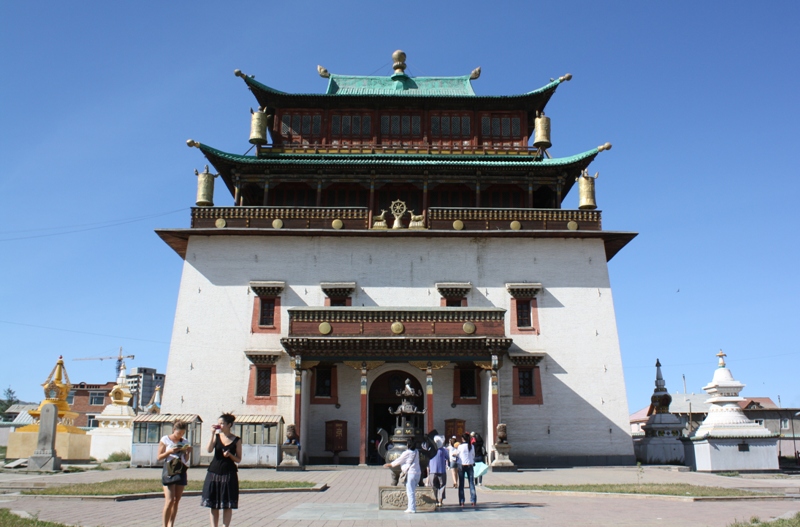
<point x="119" y="359"/>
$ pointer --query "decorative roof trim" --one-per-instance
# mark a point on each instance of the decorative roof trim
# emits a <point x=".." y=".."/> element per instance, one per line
<point x="388" y="314"/>
<point x="267" y="288"/>
<point x="526" y="358"/>
<point x="261" y="90"/>
<point x="524" y="290"/>
<point x="527" y="162"/>
<point x="430" y="348"/>
<point x="254" y="419"/>
<point x="454" y="289"/>
<point x="167" y="418"/>
<point x="337" y="289"/>
<point x="262" y="356"/>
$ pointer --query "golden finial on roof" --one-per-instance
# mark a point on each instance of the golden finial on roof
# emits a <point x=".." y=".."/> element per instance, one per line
<point x="399" y="58"/>
<point x="606" y="146"/>
<point x="323" y="72"/>
<point x="475" y="73"/>
<point x="721" y="356"/>
<point x="191" y="142"/>
<point x="566" y="77"/>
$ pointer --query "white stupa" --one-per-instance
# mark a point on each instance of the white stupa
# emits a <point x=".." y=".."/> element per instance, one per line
<point x="727" y="440"/>
<point x="661" y="443"/>
<point x="114" y="432"/>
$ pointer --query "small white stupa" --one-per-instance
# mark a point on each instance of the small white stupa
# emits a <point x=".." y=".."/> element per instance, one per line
<point x="661" y="443"/>
<point x="727" y="440"/>
<point x="114" y="432"/>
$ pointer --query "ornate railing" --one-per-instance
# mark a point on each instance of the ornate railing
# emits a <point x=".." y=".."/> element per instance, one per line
<point x="357" y="218"/>
<point x="398" y="149"/>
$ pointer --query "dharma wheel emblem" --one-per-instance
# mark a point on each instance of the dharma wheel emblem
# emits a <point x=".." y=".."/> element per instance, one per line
<point x="398" y="209"/>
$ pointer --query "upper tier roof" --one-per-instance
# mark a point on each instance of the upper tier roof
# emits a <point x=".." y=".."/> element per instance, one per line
<point x="400" y="85"/>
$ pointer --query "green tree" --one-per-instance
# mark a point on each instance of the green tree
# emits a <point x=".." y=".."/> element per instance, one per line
<point x="9" y="398"/>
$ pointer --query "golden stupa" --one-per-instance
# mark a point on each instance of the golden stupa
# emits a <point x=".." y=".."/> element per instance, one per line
<point x="72" y="443"/>
<point x="56" y="390"/>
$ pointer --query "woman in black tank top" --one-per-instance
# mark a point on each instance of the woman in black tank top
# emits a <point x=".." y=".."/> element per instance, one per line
<point x="221" y="488"/>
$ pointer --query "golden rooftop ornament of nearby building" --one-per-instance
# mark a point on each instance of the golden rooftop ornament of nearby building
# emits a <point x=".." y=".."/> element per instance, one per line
<point x="399" y="58"/>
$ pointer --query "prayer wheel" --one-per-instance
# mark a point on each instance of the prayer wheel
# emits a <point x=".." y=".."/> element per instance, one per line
<point x="205" y="188"/>
<point x="541" y="138"/>
<point x="586" y="193"/>
<point x="258" y="127"/>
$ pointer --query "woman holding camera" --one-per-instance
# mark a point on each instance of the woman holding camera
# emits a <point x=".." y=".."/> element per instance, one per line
<point x="173" y="447"/>
<point x="221" y="488"/>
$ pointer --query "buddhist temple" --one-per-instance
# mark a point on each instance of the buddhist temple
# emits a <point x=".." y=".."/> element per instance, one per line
<point x="393" y="227"/>
<point x="727" y="440"/>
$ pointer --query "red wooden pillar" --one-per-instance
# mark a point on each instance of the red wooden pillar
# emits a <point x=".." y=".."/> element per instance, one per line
<point x="298" y="393"/>
<point x="429" y="396"/>
<point x="362" y="456"/>
<point x="495" y="398"/>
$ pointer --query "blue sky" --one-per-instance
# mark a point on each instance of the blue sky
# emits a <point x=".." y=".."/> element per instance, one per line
<point x="698" y="98"/>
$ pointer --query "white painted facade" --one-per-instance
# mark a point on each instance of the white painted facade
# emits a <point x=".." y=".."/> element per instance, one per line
<point x="583" y="418"/>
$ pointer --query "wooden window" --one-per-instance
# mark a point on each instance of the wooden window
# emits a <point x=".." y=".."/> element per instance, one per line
<point x="338" y="302"/>
<point x="266" y="315"/>
<point x="324" y="381"/>
<point x="523" y="313"/>
<point x="524" y="316"/>
<point x="351" y="128"/>
<point x="299" y="127"/>
<point x="453" y="302"/>
<point x="263" y="382"/>
<point x="400" y="128"/>
<point x="526" y="385"/>
<point x="448" y="129"/>
<point x="262" y="385"/>
<point x="466" y="385"/>
<point x="502" y="129"/>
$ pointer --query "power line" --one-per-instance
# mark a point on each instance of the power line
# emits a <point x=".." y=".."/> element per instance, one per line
<point x="82" y="332"/>
<point x="96" y="226"/>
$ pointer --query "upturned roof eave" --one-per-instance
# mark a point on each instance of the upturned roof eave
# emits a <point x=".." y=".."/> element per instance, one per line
<point x="269" y="97"/>
<point x="225" y="162"/>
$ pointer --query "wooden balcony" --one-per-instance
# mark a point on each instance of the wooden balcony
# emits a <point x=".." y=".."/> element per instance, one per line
<point x="357" y="218"/>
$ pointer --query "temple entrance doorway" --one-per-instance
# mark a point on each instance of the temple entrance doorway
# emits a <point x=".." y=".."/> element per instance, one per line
<point x="382" y="396"/>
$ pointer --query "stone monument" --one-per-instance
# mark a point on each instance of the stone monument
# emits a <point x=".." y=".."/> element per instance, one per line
<point x="44" y="457"/>
<point x="502" y="450"/>
<point x="72" y="443"/>
<point x="114" y="432"/>
<point x="661" y="443"/>
<point x="727" y="440"/>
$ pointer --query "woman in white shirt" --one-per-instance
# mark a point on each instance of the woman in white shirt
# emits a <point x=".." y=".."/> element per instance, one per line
<point x="409" y="464"/>
<point x="452" y="449"/>
<point x="466" y="458"/>
<point x="174" y="446"/>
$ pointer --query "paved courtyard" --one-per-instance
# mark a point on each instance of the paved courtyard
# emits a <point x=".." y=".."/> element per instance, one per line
<point x="351" y="501"/>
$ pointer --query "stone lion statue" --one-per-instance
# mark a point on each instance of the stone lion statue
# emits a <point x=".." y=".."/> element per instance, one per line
<point x="291" y="436"/>
<point x="502" y="434"/>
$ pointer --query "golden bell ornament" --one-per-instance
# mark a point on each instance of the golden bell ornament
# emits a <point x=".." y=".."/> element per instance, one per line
<point x="541" y="138"/>
<point x="586" y="194"/>
<point x="205" y="188"/>
<point x="258" y="127"/>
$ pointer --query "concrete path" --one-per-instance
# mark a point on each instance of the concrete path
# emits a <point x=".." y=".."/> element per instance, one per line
<point x="351" y="498"/>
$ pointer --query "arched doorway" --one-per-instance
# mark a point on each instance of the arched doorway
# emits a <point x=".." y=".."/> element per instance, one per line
<point x="382" y="396"/>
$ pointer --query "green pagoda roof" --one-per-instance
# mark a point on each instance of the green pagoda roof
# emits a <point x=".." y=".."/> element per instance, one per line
<point x="400" y="85"/>
<point x="349" y="90"/>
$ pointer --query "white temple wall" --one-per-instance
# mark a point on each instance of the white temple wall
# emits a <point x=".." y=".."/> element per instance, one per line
<point x="582" y="378"/>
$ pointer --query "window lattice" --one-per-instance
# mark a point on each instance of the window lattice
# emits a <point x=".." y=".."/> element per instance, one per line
<point x="525" y="382"/>
<point x="264" y="382"/>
